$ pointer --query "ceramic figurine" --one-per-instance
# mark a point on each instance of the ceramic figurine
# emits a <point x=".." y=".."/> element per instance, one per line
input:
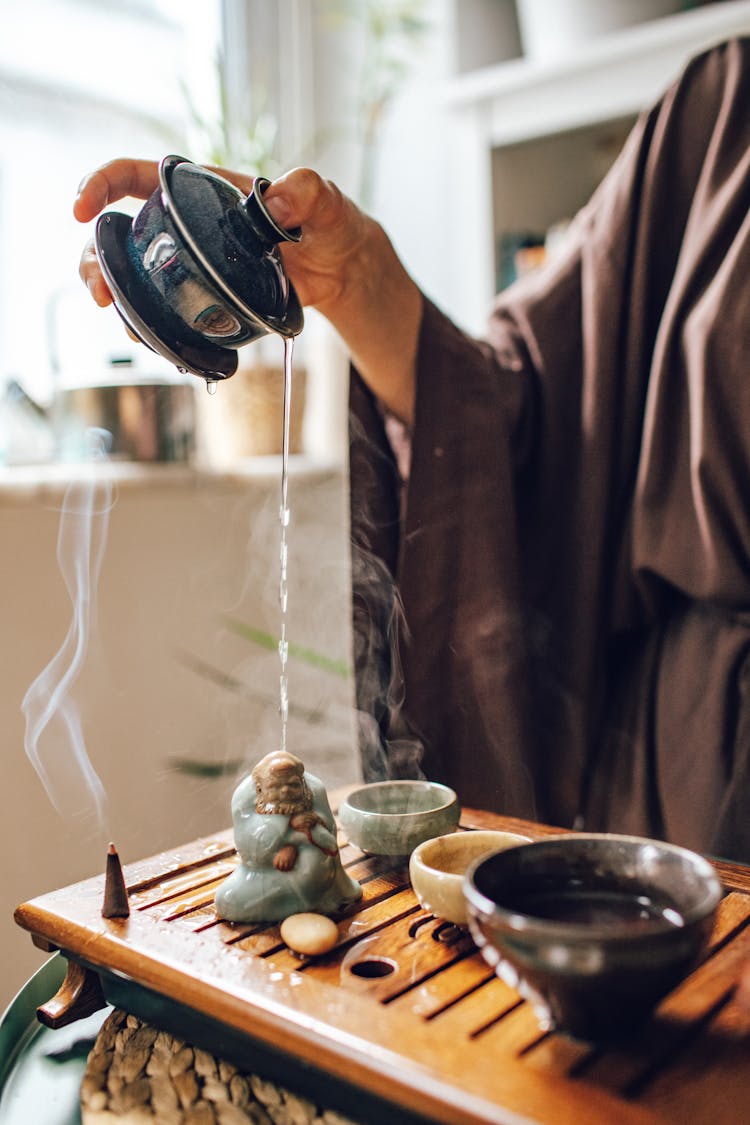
<point x="285" y="835"/>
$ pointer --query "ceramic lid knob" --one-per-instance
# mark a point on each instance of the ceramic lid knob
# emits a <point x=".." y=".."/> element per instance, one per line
<point x="262" y="222"/>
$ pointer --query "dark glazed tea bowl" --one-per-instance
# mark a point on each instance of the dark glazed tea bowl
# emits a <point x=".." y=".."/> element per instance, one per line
<point x="392" y="817"/>
<point x="592" y="929"/>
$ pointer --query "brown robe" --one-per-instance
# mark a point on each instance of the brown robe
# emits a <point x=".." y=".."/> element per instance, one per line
<point x="571" y="550"/>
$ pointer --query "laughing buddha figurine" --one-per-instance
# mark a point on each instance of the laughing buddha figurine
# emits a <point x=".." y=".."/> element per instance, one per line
<point x="285" y="835"/>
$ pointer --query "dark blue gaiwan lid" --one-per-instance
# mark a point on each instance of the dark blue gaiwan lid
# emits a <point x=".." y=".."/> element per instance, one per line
<point x="197" y="273"/>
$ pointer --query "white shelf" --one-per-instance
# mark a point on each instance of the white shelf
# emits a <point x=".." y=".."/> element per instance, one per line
<point x="21" y="484"/>
<point x="502" y="112"/>
<point x="617" y="75"/>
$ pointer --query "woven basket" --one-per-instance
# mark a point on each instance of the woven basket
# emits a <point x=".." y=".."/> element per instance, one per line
<point x="245" y="416"/>
<point x="137" y="1075"/>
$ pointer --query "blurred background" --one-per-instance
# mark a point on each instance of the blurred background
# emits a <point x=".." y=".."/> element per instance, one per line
<point x="473" y="130"/>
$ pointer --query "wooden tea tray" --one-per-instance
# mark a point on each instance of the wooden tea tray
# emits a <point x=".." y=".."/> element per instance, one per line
<point x="403" y="1021"/>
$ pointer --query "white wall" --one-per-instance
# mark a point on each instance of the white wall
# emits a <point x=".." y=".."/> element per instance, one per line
<point x="185" y="550"/>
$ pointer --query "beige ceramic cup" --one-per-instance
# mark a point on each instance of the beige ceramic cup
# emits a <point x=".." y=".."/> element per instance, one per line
<point x="437" y="867"/>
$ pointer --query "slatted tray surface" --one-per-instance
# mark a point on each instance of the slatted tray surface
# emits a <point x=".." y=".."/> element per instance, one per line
<point x="405" y="1007"/>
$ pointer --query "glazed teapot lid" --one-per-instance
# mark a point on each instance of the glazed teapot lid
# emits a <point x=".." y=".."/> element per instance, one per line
<point x="230" y="246"/>
<point x="224" y="230"/>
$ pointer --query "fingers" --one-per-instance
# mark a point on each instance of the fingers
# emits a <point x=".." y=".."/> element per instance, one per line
<point x="295" y="198"/>
<point x="92" y="278"/>
<point x="301" y="197"/>
<point x="113" y="181"/>
<point x="285" y="858"/>
<point x="135" y="178"/>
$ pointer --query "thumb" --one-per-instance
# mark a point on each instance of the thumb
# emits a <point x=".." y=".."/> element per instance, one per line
<point x="303" y="197"/>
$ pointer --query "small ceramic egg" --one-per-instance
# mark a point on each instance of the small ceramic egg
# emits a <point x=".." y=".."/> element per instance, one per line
<point x="309" y="934"/>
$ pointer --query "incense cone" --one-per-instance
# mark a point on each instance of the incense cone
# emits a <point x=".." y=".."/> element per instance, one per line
<point x="115" y="903"/>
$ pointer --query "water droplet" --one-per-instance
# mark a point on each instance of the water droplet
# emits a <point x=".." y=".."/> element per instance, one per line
<point x="211" y="386"/>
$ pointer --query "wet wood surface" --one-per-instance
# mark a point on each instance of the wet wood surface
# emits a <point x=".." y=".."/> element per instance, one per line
<point x="405" y="1003"/>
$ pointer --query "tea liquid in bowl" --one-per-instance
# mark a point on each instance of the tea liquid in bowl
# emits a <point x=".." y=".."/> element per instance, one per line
<point x="600" y="907"/>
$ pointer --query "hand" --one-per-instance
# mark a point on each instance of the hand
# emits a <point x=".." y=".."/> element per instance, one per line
<point x="285" y="858"/>
<point x="344" y="266"/>
<point x="317" y="267"/>
<point x="334" y="235"/>
<point x="305" y="821"/>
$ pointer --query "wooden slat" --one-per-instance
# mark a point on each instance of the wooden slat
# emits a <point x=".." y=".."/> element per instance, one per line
<point x="514" y="1034"/>
<point x="409" y="956"/>
<point x="161" y="868"/>
<point x="368" y="919"/>
<point x="471" y="1015"/>
<point x="710" y="1081"/>
<point x="555" y="1053"/>
<point x="180" y="883"/>
<point x="433" y="997"/>
<point x="188" y="902"/>
<point x="196" y="911"/>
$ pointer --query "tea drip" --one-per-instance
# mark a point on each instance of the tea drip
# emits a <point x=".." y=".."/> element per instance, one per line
<point x="197" y="273"/>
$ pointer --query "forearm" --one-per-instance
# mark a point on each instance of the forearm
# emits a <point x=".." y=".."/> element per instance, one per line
<point x="378" y="314"/>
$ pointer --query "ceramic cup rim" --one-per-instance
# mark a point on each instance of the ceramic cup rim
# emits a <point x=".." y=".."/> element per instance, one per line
<point x="440" y="890"/>
<point x="486" y="908"/>
<point x="448" y="799"/>
<point x="454" y="840"/>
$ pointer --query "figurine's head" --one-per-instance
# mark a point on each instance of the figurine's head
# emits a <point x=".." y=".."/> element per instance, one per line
<point x="280" y="784"/>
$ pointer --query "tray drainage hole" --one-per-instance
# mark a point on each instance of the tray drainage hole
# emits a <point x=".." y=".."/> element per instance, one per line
<point x="447" y="932"/>
<point x="371" y="968"/>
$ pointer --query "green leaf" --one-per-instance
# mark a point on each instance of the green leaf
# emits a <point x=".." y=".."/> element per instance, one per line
<point x="307" y="655"/>
<point x="194" y="768"/>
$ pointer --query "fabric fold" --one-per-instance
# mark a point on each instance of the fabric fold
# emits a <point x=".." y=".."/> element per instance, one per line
<point x="570" y="554"/>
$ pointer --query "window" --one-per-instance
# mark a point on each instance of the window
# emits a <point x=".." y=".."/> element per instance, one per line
<point x="81" y="81"/>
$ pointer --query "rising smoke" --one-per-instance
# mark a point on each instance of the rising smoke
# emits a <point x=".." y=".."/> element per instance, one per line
<point x="389" y="747"/>
<point x="54" y="740"/>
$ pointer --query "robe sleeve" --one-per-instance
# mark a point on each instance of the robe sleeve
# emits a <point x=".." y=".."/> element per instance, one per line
<point x="567" y="565"/>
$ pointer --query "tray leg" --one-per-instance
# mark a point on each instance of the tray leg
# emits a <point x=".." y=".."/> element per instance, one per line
<point x="79" y="995"/>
